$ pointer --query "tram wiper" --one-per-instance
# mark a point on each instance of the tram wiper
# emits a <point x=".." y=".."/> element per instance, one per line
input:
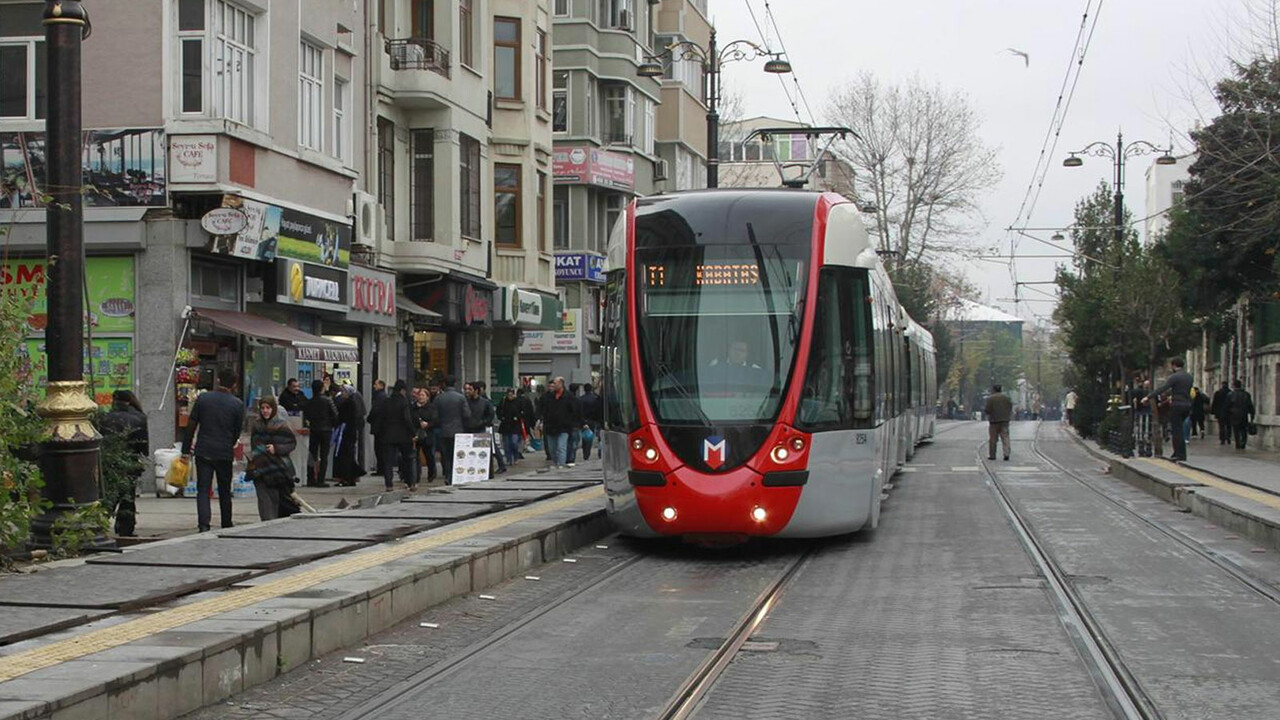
<point x="665" y="374"/>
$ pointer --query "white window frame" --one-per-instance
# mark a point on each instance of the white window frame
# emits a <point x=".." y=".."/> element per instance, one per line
<point x="341" y="126"/>
<point x="650" y="118"/>
<point x="310" y="96"/>
<point x="591" y="109"/>
<point x="32" y="45"/>
<point x="558" y="93"/>
<point x="561" y="8"/>
<point x="234" y="95"/>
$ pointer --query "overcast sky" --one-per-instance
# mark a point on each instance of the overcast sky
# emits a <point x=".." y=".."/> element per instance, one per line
<point x="1140" y="75"/>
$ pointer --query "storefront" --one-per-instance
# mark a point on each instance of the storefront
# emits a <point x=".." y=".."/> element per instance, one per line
<point x="370" y="320"/>
<point x="581" y="274"/>
<point x="460" y="345"/>
<point x="110" y="283"/>
<point x="518" y="312"/>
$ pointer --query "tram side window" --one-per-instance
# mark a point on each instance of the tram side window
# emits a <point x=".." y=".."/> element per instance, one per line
<point x="619" y="402"/>
<point x="837" y="385"/>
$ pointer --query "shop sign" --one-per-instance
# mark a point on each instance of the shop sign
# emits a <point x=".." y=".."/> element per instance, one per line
<point x="299" y="283"/>
<point x="110" y="282"/>
<point x="580" y="266"/>
<point x="584" y="165"/>
<point x="568" y="340"/>
<point x="526" y="307"/>
<point x="373" y="296"/>
<point x="271" y="231"/>
<point x="193" y="158"/>
<point x="308" y="353"/>
<point x="121" y="167"/>
<point x="476" y="305"/>
<point x="224" y="221"/>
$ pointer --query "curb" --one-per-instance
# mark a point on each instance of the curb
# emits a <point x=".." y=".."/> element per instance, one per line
<point x="177" y="671"/>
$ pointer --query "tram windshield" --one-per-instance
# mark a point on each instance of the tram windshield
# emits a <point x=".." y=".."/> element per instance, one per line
<point x="718" y="328"/>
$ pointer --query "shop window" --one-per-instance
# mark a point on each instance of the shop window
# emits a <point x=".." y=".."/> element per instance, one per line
<point x="214" y="281"/>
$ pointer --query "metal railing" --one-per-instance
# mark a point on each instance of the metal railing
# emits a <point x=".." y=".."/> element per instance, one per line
<point x="418" y="54"/>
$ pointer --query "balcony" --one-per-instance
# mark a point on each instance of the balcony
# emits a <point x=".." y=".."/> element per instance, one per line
<point x="418" y="54"/>
<point x="612" y="137"/>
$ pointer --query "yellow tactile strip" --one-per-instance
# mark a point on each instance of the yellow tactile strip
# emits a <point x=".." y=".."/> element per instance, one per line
<point x="74" y="648"/>
<point x="1244" y="491"/>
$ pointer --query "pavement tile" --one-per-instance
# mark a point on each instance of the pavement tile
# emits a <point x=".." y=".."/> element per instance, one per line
<point x="110" y="587"/>
<point x="230" y="552"/>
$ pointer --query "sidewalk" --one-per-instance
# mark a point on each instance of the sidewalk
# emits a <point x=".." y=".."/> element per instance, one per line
<point x="162" y="518"/>
<point x="1256" y="468"/>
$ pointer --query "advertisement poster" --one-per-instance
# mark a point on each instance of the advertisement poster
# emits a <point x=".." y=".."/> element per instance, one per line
<point x="107" y="368"/>
<point x="592" y="166"/>
<point x="122" y="168"/>
<point x="567" y="340"/>
<point x="471" y="458"/>
<point x="110" y="298"/>
<point x="275" y="232"/>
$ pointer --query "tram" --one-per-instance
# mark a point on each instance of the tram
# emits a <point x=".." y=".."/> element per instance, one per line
<point x="760" y="377"/>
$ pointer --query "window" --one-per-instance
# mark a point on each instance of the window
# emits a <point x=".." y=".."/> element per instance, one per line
<point x="423" y="19"/>
<point x="837" y="386"/>
<point x="649" y="129"/>
<point x="562" y="8"/>
<point x="619" y="114"/>
<point x="540" y="83"/>
<point x="560" y="218"/>
<point x="1178" y="192"/>
<point x="560" y="102"/>
<point x="506" y="204"/>
<point x="590" y="106"/>
<point x="617" y="14"/>
<point x="341" y="131"/>
<point x="310" y="96"/>
<point x="619" y="410"/>
<point x="542" y="212"/>
<point x="214" y="280"/>
<point x="685" y="70"/>
<point x="466" y="29"/>
<point x="506" y="58"/>
<point x="469" y="183"/>
<point x="22" y="62"/>
<point x="387" y="172"/>
<point x="614" y="205"/>
<point x="422" y="185"/>
<point x="234" y="56"/>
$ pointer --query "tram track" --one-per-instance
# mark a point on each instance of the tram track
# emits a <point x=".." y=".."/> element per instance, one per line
<point x="1121" y="691"/>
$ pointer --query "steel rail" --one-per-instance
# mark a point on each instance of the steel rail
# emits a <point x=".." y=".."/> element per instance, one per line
<point x="685" y="701"/>
<point x="1121" y="690"/>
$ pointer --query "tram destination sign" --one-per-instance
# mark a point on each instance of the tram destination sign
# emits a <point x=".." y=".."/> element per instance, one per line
<point x="729" y="274"/>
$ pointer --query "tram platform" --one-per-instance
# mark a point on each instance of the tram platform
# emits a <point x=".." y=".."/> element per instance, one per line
<point x="1236" y="489"/>
<point x="164" y="628"/>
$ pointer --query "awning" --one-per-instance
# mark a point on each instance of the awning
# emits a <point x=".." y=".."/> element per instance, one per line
<point x="413" y="308"/>
<point x="309" y="348"/>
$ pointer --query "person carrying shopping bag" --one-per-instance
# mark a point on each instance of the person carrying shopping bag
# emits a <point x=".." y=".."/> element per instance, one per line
<point x="270" y="468"/>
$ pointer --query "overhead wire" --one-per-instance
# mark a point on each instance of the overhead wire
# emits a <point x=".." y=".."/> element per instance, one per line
<point x="764" y="39"/>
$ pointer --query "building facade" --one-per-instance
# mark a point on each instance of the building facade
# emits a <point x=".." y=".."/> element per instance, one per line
<point x="682" y="115"/>
<point x="1165" y="185"/>
<point x="750" y="160"/>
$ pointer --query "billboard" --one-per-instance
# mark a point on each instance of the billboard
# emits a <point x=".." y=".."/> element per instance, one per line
<point x="586" y="165"/>
<point x="122" y="168"/>
<point x="274" y="232"/>
<point x="110" y="283"/>
<point x="567" y="340"/>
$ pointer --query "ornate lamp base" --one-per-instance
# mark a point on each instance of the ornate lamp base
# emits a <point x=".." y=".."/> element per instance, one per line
<point x="68" y="459"/>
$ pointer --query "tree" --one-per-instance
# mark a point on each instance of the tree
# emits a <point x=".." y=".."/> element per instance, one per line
<point x="917" y="158"/>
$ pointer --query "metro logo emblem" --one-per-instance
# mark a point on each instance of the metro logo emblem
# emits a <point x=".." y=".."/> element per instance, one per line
<point x="714" y="450"/>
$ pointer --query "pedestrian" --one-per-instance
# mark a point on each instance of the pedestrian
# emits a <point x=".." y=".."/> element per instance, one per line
<point x="1220" y="408"/>
<point x="548" y="445"/>
<point x="213" y="429"/>
<point x="1070" y="404"/>
<point x="1199" y="404"/>
<point x="452" y="414"/>
<point x="424" y="445"/>
<point x="292" y="399"/>
<point x="528" y="417"/>
<point x="127" y="420"/>
<point x="482" y="416"/>
<point x="559" y="413"/>
<point x="1241" y="412"/>
<point x="347" y="469"/>
<point x="592" y="419"/>
<point x="510" y="427"/>
<point x="1178" y="385"/>
<point x="270" y="443"/>
<point x="575" y="428"/>
<point x="999" y="410"/>
<point x="375" y="400"/>
<point x="396" y="430"/>
<point x="320" y="416"/>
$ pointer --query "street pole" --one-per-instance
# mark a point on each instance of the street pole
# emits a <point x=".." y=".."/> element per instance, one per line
<point x="69" y="453"/>
<point x="1119" y="208"/>
<point x="713" y="114"/>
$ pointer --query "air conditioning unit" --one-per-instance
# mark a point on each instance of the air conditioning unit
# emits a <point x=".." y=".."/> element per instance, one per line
<point x="369" y="220"/>
<point x="661" y="171"/>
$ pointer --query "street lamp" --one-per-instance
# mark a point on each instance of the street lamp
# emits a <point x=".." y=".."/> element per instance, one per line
<point x="1118" y="154"/>
<point x="712" y="59"/>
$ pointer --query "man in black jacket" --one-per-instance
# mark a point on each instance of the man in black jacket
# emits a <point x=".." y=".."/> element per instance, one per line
<point x="1178" y="385"/>
<point x="375" y="400"/>
<point x="560" y="414"/>
<point x="452" y="414"/>
<point x="482" y="417"/>
<point x="292" y="399"/>
<point x="592" y="417"/>
<point x="396" y="429"/>
<point x="127" y="420"/>
<point x="1221" y="411"/>
<point x="214" y="427"/>
<point x="510" y="427"/>
<point x="321" y="417"/>
<point x="1240" y="413"/>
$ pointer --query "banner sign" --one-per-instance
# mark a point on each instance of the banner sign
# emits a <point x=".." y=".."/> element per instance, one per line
<point x="110" y="298"/>
<point x="373" y="296"/>
<point x="193" y="158"/>
<point x="471" y="457"/>
<point x="315" y="286"/>
<point x="271" y="231"/>
<point x="108" y="365"/>
<point x="585" y="165"/>
<point x="580" y="266"/>
<point x="122" y="168"/>
<point x="567" y="340"/>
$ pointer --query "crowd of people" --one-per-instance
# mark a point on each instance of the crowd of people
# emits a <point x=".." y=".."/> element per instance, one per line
<point x="1177" y="410"/>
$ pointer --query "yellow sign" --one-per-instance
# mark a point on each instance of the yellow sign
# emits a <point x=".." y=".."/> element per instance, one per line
<point x="295" y="282"/>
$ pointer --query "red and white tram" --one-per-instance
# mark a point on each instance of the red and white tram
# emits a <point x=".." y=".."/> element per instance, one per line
<point x="758" y="370"/>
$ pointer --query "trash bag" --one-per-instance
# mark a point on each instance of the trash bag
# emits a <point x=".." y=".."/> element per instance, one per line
<point x="178" y="472"/>
<point x="588" y="436"/>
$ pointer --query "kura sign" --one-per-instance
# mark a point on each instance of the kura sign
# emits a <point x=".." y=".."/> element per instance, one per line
<point x="372" y="297"/>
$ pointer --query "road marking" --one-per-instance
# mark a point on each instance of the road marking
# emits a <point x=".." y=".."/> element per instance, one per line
<point x="1244" y="491"/>
<point x="77" y="647"/>
<point x="1021" y="468"/>
<point x="908" y="470"/>
<point x="965" y="468"/>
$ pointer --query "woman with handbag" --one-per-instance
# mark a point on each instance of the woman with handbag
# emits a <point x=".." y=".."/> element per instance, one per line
<point x="270" y="468"/>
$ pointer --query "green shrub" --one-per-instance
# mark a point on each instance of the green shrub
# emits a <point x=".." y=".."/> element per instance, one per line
<point x="20" y="429"/>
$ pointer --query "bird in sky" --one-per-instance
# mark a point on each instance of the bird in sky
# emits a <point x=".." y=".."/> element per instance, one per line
<point x="1026" y="59"/>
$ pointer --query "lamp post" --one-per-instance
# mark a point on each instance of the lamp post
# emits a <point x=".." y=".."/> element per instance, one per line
<point x="1118" y="154"/>
<point x="712" y="58"/>
<point x="69" y="453"/>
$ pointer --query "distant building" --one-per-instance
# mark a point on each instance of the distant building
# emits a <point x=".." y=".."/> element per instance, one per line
<point x="747" y="161"/>
<point x="969" y="316"/>
<point x="1165" y="185"/>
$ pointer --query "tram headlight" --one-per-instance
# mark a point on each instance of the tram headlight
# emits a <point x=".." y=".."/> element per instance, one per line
<point x="650" y="454"/>
<point x="797" y="444"/>
<point x="759" y="514"/>
<point x="637" y="444"/>
<point x="668" y="514"/>
<point x="781" y="454"/>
